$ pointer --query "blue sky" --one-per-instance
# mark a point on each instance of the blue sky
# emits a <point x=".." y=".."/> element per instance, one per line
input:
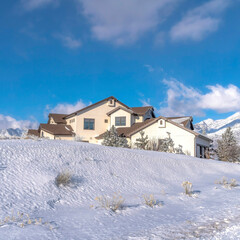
<point x="181" y="56"/>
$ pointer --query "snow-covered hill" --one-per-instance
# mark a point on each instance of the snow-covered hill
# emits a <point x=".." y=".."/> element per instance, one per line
<point x="11" y="133"/>
<point x="215" y="128"/>
<point x="33" y="207"/>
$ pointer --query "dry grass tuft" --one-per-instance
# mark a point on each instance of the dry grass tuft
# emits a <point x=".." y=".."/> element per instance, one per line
<point x="150" y="201"/>
<point x="187" y="188"/>
<point x="227" y="184"/>
<point x="111" y="203"/>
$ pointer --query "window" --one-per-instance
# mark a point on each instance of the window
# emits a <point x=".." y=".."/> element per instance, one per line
<point x="120" y="121"/>
<point x="89" y="123"/>
<point x="106" y="121"/>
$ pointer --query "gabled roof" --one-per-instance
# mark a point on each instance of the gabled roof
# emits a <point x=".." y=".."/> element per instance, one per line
<point x="92" y="105"/>
<point x="137" y="127"/>
<point x="141" y="110"/>
<point x="181" y="120"/>
<point x="33" y="132"/>
<point x="58" y="118"/>
<point x="118" y="108"/>
<point x="56" y="129"/>
<point x="126" y="131"/>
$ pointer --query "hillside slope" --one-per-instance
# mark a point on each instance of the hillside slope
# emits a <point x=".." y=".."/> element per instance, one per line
<point x="28" y="169"/>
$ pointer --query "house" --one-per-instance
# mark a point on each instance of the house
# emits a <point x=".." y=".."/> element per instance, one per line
<point x="90" y="123"/>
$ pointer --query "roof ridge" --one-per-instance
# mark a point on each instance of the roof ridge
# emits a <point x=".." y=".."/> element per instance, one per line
<point x="105" y="99"/>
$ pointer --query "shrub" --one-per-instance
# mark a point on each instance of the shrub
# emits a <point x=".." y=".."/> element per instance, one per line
<point x="112" y="139"/>
<point x="150" y="200"/>
<point x="226" y="183"/>
<point x="63" y="178"/>
<point x="187" y="188"/>
<point x="142" y="142"/>
<point x="115" y="203"/>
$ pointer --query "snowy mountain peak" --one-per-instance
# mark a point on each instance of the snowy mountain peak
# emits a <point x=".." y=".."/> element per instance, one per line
<point x="215" y="128"/>
<point x="11" y="133"/>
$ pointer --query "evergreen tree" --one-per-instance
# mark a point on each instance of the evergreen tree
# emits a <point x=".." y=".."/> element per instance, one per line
<point x="112" y="139"/>
<point x="142" y="142"/>
<point x="228" y="150"/>
<point x="166" y="144"/>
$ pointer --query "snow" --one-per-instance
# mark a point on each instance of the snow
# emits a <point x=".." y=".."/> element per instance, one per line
<point x="12" y="133"/>
<point x="215" y="128"/>
<point x="27" y="175"/>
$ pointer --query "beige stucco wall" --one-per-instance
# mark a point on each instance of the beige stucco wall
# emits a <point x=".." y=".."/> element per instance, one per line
<point x="97" y="112"/>
<point x="121" y="113"/>
<point x="137" y="119"/>
<point x="72" y="124"/>
<point x="46" y="134"/>
<point x="63" y="137"/>
<point x="51" y="136"/>
<point x="178" y="135"/>
<point x="51" y="121"/>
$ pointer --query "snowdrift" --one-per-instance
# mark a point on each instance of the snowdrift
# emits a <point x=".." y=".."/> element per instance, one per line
<point x="28" y="170"/>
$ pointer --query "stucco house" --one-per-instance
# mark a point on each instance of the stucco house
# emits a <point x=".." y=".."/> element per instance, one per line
<point x="90" y="123"/>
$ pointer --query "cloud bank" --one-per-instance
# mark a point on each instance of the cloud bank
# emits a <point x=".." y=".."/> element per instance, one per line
<point x="124" y="21"/>
<point x="182" y="100"/>
<point x="66" y="108"/>
<point x="10" y="122"/>
<point x="200" y="21"/>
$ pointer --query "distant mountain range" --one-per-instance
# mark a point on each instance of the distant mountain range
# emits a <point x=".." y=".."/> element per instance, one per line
<point x="11" y="133"/>
<point x="215" y="128"/>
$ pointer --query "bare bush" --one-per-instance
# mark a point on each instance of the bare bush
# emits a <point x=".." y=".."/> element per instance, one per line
<point x="227" y="184"/>
<point x="63" y="178"/>
<point x="150" y="201"/>
<point x="111" y="203"/>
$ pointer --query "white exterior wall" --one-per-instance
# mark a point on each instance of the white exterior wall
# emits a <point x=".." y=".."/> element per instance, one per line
<point x="178" y="135"/>
<point x="121" y="113"/>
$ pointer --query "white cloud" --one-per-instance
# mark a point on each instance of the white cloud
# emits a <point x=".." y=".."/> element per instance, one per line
<point x="30" y="5"/>
<point x="122" y="22"/>
<point x="10" y="122"/>
<point x="145" y="102"/>
<point x="200" y="21"/>
<point x="182" y="100"/>
<point x="66" y="108"/>
<point x="149" y="68"/>
<point x="69" y="41"/>
<point x="222" y="99"/>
